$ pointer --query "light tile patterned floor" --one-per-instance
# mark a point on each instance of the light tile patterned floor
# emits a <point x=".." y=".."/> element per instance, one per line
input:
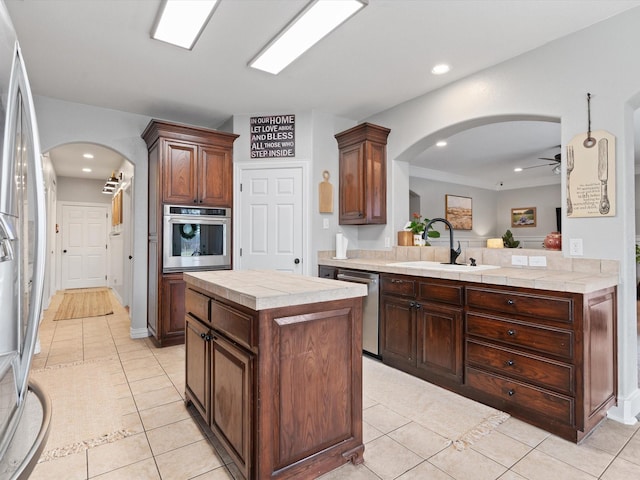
<point x="412" y="430"/>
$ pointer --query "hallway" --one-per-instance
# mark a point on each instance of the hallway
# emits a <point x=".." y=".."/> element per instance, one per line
<point x="118" y="413"/>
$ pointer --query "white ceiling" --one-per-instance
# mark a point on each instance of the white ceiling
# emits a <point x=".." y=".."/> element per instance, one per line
<point x="99" y="52"/>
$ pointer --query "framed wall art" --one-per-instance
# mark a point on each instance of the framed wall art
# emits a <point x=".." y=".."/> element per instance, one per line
<point x="458" y="212"/>
<point x="523" y="217"/>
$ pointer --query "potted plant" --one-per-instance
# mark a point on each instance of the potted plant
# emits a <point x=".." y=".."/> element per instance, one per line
<point x="509" y="241"/>
<point x="416" y="226"/>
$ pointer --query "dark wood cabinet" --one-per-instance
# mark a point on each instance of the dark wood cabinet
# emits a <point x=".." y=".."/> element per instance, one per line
<point x="421" y="327"/>
<point x="198" y="371"/>
<point x="327" y="272"/>
<point x="231" y="400"/>
<point x="363" y="175"/>
<point x="187" y="166"/>
<point x="546" y="357"/>
<point x="266" y="371"/>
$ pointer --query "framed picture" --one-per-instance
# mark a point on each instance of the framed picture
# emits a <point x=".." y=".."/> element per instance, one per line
<point x="458" y="212"/>
<point x="523" y="217"/>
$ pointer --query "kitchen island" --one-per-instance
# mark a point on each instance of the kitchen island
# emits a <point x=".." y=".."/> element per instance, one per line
<point x="274" y="366"/>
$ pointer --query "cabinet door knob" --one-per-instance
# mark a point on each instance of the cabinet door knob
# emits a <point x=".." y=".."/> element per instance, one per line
<point x="510" y="363"/>
<point x="511" y="332"/>
<point x="202" y="335"/>
<point x="208" y="338"/>
<point x="412" y="304"/>
<point x="511" y="392"/>
<point x="418" y="305"/>
<point x="510" y="302"/>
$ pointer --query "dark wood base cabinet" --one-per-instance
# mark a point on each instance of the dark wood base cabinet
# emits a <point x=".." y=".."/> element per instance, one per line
<point x="546" y="357"/>
<point x="280" y="388"/>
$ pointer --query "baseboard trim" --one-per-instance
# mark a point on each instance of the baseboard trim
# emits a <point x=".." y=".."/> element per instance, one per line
<point x="138" y="332"/>
<point x="627" y="410"/>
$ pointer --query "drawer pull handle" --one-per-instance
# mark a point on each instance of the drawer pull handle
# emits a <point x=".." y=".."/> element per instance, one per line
<point x="393" y="280"/>
<point x="511" y="392"/>
<point x="510" y="302"/>
<point x="510" y="363"/>
<point x="511" y="332"/>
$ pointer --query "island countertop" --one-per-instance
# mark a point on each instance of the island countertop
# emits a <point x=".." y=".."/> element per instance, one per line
<point x="264" y="289"/>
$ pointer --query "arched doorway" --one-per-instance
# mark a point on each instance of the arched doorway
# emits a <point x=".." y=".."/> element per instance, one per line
<point x="80" y="172"/>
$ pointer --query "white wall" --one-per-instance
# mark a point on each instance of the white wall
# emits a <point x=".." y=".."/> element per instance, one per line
<point x="81" y="190"/>
<point x="525" y="86"/>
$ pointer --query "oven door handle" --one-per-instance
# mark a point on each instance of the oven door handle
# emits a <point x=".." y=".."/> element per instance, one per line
<point x="348" y="278"/>
<point x="196" y="220"/>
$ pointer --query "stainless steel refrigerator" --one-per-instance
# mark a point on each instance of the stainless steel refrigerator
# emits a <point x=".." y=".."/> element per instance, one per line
<point x="22" y="257"/>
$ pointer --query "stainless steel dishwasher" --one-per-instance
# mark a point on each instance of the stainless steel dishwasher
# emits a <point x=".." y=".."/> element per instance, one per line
<point x="370" y="328"/>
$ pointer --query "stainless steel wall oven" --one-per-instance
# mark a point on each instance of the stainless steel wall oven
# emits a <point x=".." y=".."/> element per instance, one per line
<point x="196" y="238"/>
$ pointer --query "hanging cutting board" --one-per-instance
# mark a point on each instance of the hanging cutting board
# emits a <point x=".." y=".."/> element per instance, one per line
<point x="325" y="191"/>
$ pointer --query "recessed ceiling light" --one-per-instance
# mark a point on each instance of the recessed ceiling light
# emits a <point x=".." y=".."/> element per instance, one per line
<point x="86" y="170"/>
<point x="312" y="24"/>
<point x="441" y="143"/>
<point x="517" y="169"/>
<point x="87" y="155"/>
<point x="440" y="69"/>
<point x="182" y="21"/>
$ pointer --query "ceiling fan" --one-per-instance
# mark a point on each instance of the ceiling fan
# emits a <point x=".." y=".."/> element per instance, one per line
<point x="557" y="158"/>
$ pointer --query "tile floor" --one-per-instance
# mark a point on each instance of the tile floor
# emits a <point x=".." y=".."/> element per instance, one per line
<point x="412" y="430"/>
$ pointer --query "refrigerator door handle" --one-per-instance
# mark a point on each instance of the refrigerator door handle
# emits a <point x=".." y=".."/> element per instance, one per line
<point x="7" y="235"/>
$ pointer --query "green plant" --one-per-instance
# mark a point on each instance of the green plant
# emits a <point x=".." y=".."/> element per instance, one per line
<point x="509" y="241"/>
<point x="417" y="224"/>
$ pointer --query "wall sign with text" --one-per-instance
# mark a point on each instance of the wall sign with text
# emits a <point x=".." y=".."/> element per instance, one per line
<point x="273" y="136"/>
<point x="591" y="175"/>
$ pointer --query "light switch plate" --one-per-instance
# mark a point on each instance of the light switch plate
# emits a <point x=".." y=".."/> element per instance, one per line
<point x="537" y="261"/>
<point x="519" y="260"/>
<point x="325" y="223"/>
<point x="575" y="247"/>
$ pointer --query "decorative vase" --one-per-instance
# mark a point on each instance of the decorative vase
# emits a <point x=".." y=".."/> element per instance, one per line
<point x="418" y="241"/>
<point x="553" y="241"/>
<point x="405" y="238"/>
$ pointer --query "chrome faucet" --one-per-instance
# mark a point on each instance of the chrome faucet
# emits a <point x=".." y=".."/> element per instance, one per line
<point x="453" y="254"/>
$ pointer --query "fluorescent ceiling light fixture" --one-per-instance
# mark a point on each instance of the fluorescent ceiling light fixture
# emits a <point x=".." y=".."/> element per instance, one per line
<point x="312" y="24"/>
<point x="441" y="143"/>
<point x="440" y="69"/>
<point x="517" y="169"/>
<point x="87" y="155"/>
<point x="86" y="170"/>
<point x="182" y="21"/>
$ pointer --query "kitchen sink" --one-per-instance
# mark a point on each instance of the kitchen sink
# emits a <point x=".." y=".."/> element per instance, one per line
<point x="446" y="267"/>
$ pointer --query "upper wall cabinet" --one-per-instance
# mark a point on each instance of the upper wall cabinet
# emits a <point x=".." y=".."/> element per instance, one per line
<point x="363" y="175"/>
<point x="195" y="164"/>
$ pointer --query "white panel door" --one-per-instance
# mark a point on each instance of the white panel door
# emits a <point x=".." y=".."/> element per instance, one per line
<point x="271" y="224"/>
<point x="84" y="246"/>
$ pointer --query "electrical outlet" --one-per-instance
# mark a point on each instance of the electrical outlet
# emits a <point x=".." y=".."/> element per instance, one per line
<point x="537" y="261"/>
<point x="325" y="223"/>
<point x="387" y="242"/>
<point x="575" y="246"/>
<point x="519" y="260"/>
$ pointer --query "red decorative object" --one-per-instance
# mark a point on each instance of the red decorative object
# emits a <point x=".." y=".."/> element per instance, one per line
<point x="553" y="241"/>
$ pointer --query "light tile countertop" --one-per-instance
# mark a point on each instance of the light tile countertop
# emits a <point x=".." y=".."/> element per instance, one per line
<point x="264" y="289"/>
<point x="574" y="275"/>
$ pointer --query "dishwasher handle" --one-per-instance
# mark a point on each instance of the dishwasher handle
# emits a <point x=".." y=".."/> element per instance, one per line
<point x="349" y="278"/>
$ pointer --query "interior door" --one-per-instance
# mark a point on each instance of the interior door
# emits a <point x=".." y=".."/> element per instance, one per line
<point x="84" y="246"/>
<point x="271" y="225"/>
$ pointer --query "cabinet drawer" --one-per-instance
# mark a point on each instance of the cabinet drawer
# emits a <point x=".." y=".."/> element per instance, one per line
<point x="398" y="286"/>
<point x="440" y="292"/>
<point x="518" y="396"/>
<point x="197" y="305"/>
<point x="511" y="363"/>
<point x="542" y="306"/>
<point x="237" y="325"/>
<point x="544" y="339"/>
